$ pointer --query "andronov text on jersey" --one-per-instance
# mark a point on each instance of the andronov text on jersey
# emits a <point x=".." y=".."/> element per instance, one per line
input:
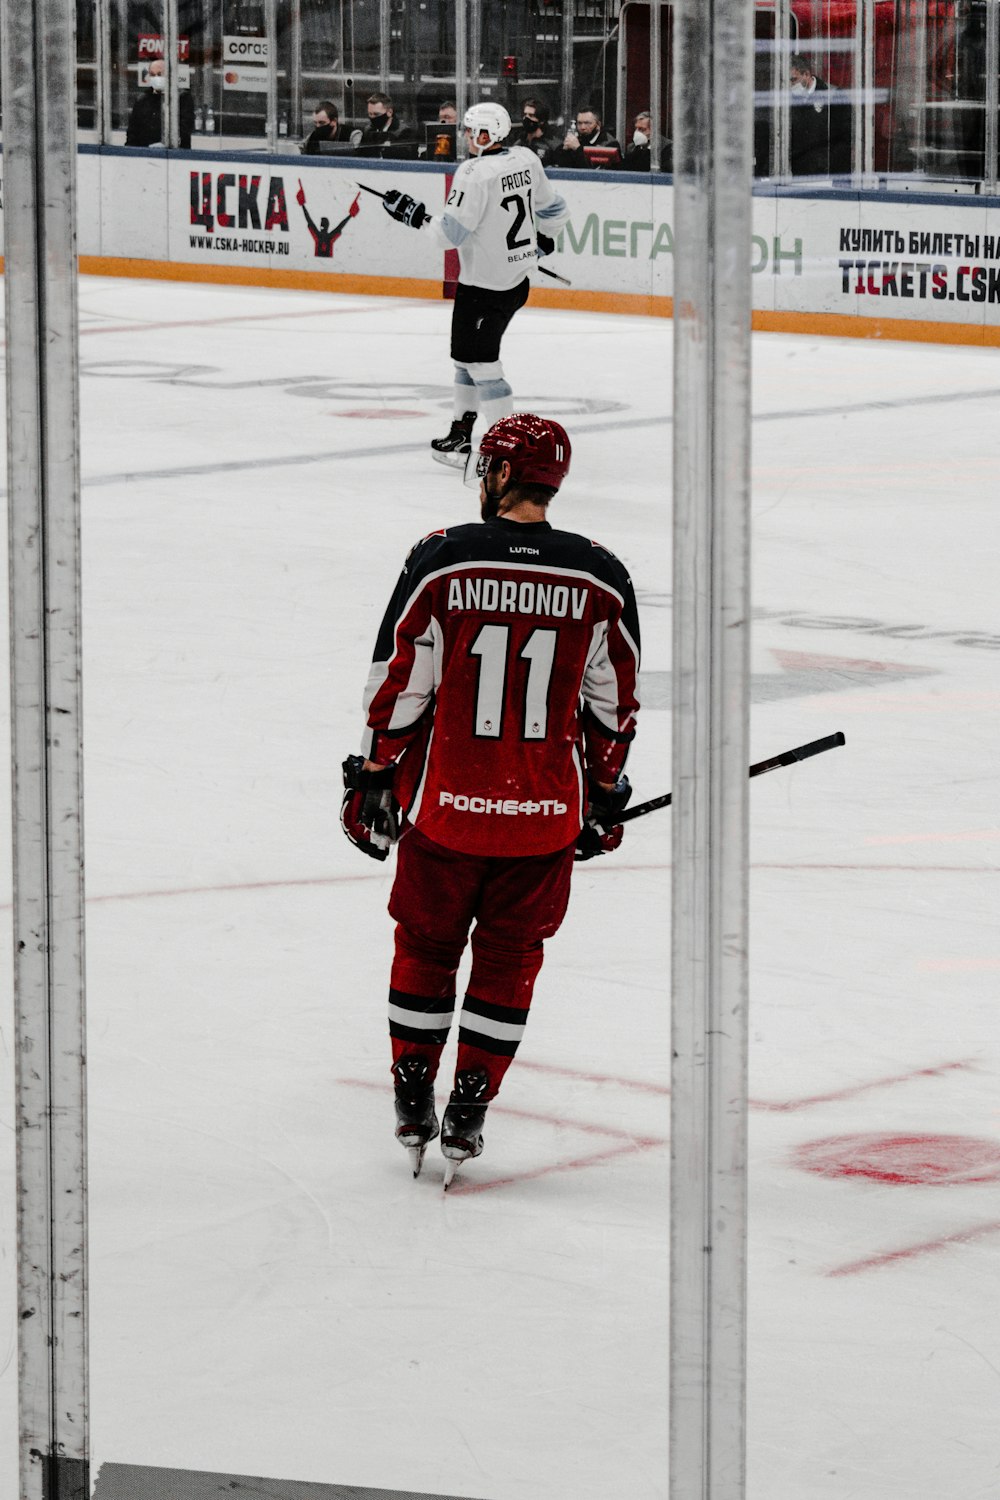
<point x="509" y="597"/>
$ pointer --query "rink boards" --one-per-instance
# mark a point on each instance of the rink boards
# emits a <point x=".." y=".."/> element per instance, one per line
<point x="899" y="265"/>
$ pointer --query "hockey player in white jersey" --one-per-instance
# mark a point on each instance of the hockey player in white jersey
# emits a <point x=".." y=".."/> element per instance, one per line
<point x="498" y="198"/>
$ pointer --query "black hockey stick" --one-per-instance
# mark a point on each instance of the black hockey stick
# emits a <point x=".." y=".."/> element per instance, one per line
<point x="788" y="758"/>
<point x="544" y="269"/>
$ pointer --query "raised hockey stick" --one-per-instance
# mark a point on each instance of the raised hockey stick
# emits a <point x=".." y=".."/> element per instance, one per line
<point x="787" y="758"/>
<point x="544" y="269"/>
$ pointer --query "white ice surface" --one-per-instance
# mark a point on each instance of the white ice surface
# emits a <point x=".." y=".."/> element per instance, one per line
<point x="270" y="1292"/>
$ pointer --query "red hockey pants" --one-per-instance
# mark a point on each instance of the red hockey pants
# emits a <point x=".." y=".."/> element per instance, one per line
<point x="516" y="903"/>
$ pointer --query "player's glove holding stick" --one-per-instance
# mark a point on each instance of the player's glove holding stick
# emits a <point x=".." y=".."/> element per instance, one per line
<point x="369" y="813"/>
<point x="600" y="833"/>
<point x="404" y="209"/>
<point x="546" y="244"/>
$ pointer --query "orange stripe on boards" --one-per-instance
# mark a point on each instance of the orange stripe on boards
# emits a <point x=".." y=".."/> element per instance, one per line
<point x="636" y="304"/>
<point x="843" y="325"/>
<point x="303" y="281"/>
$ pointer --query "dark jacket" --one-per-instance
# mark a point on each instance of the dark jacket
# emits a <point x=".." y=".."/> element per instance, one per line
<point x="565" y="156"/>
<point x="145" y="126"/>
<point x="820" y="133"/>
<point x="543" y="146"/>
<point x="310" y="146"/>
<point x="638" y="158"/>
<point x="398" y="142"/>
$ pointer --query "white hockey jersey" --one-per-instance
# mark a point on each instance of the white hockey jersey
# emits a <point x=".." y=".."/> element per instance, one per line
<point x="490" y="216"/>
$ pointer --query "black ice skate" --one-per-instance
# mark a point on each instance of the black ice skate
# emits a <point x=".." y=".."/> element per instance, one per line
<point x="416" y="1122"/>
<point x="454" y="449"/>
<point x="462" y="1126"/>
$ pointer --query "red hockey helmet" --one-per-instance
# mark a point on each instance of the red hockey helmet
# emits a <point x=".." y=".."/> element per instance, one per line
<point x="537" y="450"/>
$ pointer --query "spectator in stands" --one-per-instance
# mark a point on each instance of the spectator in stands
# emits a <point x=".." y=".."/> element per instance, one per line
<point x="145" y="123"/>
<point x="448" y="113"/>
<point x="326" y="127"/>
<point x="385" y="135"/>
<point x="820" y="141"/>
<point x="588" y="130"/>
<point x="534" y="131"/>
<point x="638" y="155"/>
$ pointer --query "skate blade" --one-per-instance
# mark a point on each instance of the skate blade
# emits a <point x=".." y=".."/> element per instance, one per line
<point x="451" y="1166"/>
<point x="416" y="1155"/>
<point x="454" y="461"/>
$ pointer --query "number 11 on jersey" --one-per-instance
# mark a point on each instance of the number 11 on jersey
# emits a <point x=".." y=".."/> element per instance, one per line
<point x="492" y="647"/>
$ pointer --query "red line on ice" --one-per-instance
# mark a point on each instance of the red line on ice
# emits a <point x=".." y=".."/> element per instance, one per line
<point x="787" y="1105"/>
<point x="302" y="312"/>
<point x="321" y="880"/>
<point x="910" y="1252"/>
<point x="778" y="1106"/>
<point x="595" y="1159"/>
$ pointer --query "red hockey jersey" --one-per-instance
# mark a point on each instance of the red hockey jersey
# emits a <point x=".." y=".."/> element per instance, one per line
<point x="505" y="668"/>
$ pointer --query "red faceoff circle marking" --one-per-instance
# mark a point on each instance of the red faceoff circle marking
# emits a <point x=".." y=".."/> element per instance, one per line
<point x="911" y="1160"/>
<point x="379" y="413"/>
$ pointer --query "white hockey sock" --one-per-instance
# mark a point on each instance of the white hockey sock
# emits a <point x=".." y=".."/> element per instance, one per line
<point x="489" y="412"/>
<point x="465" y="395"/>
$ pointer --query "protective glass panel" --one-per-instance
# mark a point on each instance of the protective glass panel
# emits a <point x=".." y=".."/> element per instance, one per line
<point x="947" y="71"/>
<point x="137" y="50"/>
<point x="645" y="90"/>
<point x="87" y="65"/>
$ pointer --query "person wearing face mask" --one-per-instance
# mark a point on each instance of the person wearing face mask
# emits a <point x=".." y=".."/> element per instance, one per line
<point x="820" y="126"/>
<point x="145" y="123"/>
<point x="638" y="154"/>
<point x="534" y="131"/>
<point x="326" y="127"/>
<point x="385" y="134"/>
<point x="587" y="130"/>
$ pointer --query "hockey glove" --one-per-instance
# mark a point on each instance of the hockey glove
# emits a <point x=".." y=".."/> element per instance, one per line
<point x="600" y="833"/>
<point x="545" y="244"/>
<point x="369" y="813"/>
<point x="404" y="208"/>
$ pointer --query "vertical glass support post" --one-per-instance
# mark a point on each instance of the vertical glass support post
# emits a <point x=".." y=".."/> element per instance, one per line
<point x="474" y="55"/>
<point x="568" y="84"/>
<point x="384" y="42"/>
<point x="713" y="136"/>
<point x="991" y="92"/>
<point x="655" y="66"/>
<point x="171" y="94"/>
<point x="868" y="90"/>
<point x="781" y="105"/>
<point x="295" y="69"/>
<point x="42" y="398"/>
<point x="102" y="82"/>
<point x="920" y="93"/>
<point x="271" y="32"/>
<point x="122" y="75"/>
<point x="461" y="73"/>
<point x="857" y="96"/>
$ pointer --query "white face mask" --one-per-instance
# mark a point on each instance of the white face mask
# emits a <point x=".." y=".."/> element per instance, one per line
<point x="799" y="88"/>
<point x="639" y="138"/>
<point x="157" y="83"/>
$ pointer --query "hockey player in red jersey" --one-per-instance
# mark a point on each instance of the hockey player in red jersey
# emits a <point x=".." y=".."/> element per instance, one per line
<point x="500" y="708"/>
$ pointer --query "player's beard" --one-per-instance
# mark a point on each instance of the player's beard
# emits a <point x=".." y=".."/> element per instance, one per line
<point x="489" y="506"/>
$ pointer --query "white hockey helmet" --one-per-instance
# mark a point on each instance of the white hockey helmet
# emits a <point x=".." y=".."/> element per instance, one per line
<point x="492" y="118"/>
